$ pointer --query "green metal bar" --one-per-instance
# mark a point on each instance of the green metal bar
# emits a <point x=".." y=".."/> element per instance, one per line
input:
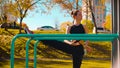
<point x="68" y="35"/>
<point x="27" y="50"/>
<point x="12" y="52"/>
<point x="92" y="37"/>
<point x="35" y="53"/>
<point x="77" y="38"/>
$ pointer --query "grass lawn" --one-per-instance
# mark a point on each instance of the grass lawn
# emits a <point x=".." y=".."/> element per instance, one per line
<point x="58" y="64"/>
<point x="101" y="50"/>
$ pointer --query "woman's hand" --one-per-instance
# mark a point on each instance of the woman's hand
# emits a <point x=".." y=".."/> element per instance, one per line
<point x="88" y="48"/>
<point x="73" y="43"/>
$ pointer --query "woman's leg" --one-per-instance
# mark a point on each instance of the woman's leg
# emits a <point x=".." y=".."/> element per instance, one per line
<point x="78" y="56"/>
<point x="77" y="61"/>
<point x="76" y="51"/>
<point x="59" y="45"/>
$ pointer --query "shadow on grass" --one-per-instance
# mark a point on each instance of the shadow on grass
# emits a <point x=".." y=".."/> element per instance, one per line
<point x="40" y="64"/>
<point x="96" y="64"/>
<point x="56" y="63"/>
<point x="104" y="49"/>
<point x="3" y="62"/>
<point x="53" y="64"/>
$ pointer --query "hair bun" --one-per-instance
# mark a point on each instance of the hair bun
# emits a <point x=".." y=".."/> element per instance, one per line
<point x="74" y="13"/>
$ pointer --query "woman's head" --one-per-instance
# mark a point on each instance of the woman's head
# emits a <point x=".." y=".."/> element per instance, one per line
<point x="77" y="15"/>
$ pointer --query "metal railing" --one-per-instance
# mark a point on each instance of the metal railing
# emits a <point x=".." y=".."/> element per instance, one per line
<point x="38" y="37"/>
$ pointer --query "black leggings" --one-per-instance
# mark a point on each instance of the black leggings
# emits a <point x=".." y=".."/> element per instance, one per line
<point x="76" y="51"/>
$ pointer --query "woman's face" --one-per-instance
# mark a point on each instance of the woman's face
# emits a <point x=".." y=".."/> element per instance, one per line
<point x="78" y="16"/>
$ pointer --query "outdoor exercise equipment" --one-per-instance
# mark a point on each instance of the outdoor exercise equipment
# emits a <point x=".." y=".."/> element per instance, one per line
<point x="38" y="37"/>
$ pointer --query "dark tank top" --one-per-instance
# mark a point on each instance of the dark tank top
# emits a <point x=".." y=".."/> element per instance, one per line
<point x="77" y="29"/>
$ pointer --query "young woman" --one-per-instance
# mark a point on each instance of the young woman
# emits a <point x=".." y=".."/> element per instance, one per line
<point x="73" y="47"/>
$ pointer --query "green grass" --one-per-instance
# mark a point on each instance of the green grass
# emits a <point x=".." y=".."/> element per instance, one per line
<point x="100" y="50"/>
<point x="58" y="64"/>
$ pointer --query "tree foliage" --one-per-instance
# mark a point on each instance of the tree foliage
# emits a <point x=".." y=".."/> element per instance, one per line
<point x="108" y="23"/>
<point x="68" y="4"/>
<point x="89" y="24"/>
<point x="3" y="11"/>
<point x="20" y="8"/>
<point x="64" y="25"/>
<point x="23" y="6"/>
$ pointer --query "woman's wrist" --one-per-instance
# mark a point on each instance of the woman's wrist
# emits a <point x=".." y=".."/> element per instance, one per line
<point x="86" y="42"/>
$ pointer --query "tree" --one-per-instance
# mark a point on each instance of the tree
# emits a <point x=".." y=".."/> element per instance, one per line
<point x="3" y="12"/>
<point x="68" y="5"/>
<point x="93" y="17"/>
<point x="89" y="24"/>
<point x="20" y="8"/>
<point x="64" y="25"/>
<point x="108" y="23"/>
<point x="23" y="6"/>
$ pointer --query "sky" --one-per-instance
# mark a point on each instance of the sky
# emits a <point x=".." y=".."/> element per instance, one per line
<point x="35" y="20"/>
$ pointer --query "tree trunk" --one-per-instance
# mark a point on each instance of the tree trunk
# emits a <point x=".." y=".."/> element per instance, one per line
<point x="5" y="26"/>
<point x="95" y="26"/>
<point x="5" y="22"/>
<point x="20" y="25"/>
<point x="14" y="24"/>
<point x="93" y="17"/>
<point x="77" y="4"/>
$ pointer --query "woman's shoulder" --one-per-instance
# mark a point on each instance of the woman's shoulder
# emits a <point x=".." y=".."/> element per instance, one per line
<point x="69" y="27"/>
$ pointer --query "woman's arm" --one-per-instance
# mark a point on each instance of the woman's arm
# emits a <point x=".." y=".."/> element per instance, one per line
<point x="88" y="48"/>
<point x="86" y="32"/>
<point x="68" y="29"/>
<point x="68" y="32"/>
<point x="67" y="41"/>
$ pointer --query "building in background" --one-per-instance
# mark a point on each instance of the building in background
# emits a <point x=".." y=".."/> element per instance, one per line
<point x="98" y="10"/>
